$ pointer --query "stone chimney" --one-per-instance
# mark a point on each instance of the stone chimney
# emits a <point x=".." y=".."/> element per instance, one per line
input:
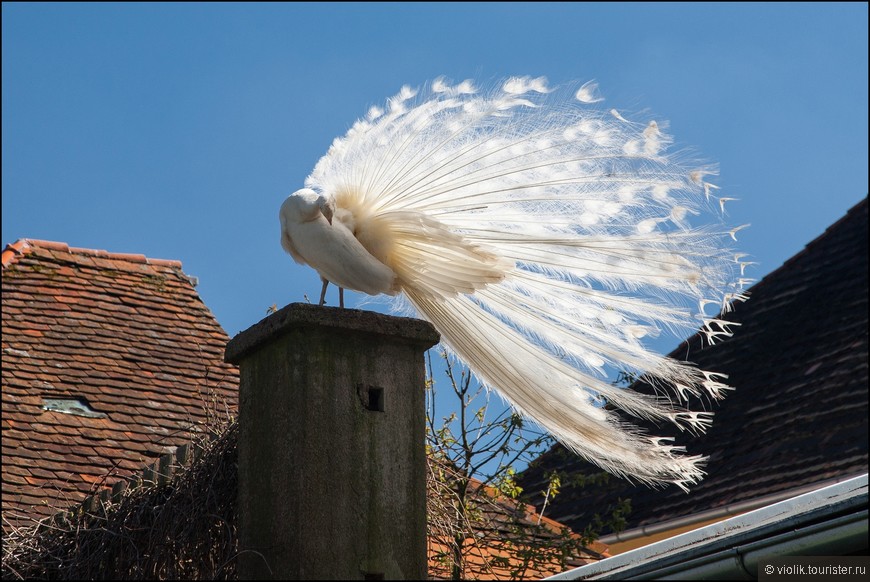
<point x="332" y="467"/>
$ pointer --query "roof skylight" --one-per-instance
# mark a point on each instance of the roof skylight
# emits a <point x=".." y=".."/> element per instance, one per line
<point x="76" y="406"/>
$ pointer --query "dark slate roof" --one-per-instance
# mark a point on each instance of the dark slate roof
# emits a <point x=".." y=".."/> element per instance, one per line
<point x="798" y="415"/>
<point x="126" y="335"/>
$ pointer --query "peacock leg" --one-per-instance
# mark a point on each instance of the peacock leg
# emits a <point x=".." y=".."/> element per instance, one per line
<point x="323" y="292"/>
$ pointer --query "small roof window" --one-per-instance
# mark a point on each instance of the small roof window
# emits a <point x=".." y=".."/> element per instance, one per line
<point x="76" y="406"/>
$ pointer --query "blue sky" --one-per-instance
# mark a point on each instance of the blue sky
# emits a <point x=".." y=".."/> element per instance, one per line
<point x="176" y="130"/>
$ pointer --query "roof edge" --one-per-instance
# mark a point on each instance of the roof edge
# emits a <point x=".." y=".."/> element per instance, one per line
<point x="23" y="246"/>
<point x="724" y="512"/>
<point x="14" y="250"/>
<point x="850" y="215"/>
<point x="824" y="522"/>
<point x="762" y="283"/>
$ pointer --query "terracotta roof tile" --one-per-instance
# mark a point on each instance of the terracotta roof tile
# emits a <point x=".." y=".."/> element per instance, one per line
<point x="505" y="534"/>
<point x="127" y="333"/>
<point x="799" y="413"/>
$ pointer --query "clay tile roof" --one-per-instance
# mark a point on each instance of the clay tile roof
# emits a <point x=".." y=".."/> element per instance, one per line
<point x="505" y="533"/>
<point x="122" y="336"/>
<point x="798" y="416"/>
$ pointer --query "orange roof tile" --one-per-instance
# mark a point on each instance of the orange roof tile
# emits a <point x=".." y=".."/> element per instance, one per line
<point x="125" y="334"/>
<point x="129" y="337"/>
<point x="509" y="540"/>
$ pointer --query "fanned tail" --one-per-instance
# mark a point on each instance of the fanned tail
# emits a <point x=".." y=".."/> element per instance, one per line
<point x="546" y="240"/>
<point x="543" y="387"/>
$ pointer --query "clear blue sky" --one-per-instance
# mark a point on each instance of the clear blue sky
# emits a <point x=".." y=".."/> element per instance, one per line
<point x="176" y="130"/>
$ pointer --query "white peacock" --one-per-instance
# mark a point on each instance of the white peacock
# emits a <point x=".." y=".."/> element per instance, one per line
<point x="546" y="239"/>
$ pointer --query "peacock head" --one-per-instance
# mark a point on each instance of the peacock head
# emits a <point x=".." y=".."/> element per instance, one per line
<point x="312" y="202"/>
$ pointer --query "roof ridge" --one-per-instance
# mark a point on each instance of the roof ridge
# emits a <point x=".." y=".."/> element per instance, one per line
<point x="24" y="245"/>
<point x="834" y="227"/>
<point x="804" y="340"/>
<point x="787" y="265"/>
<point x="14" y="250"/>
<point x="529" y="508"/>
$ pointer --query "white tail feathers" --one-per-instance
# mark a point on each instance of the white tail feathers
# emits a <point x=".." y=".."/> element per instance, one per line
<point x="544" y="239"/>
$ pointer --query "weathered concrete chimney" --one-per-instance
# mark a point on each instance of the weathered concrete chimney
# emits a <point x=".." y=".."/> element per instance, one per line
<point x="332" y="468"/>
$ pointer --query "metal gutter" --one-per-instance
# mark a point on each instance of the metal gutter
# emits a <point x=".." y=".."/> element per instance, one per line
<point x="827" y="521"/>
<point x="730" y="510"/>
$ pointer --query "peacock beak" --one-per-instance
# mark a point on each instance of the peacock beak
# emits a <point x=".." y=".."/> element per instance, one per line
<point x="328" y="209"/>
